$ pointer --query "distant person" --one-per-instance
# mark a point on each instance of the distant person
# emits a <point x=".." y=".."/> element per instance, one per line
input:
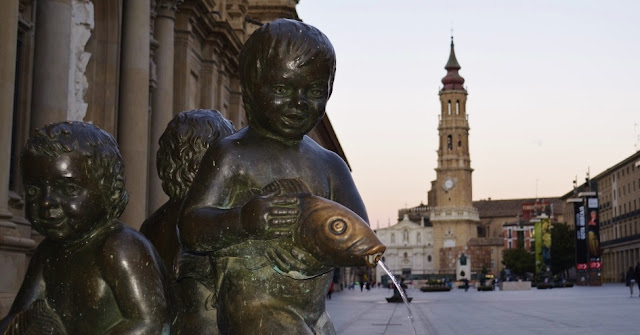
<point x="330" y="291"/>
<point x="631" y="280"/>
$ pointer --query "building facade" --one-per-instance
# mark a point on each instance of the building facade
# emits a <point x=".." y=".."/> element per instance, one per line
<point x="618" y="193"/>
<point x="127" y="67"/>
<point x="409" y="248"/>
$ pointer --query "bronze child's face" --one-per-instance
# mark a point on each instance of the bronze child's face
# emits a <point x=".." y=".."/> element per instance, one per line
<point x="292" y="98"/>
<point x="63" y="200"/>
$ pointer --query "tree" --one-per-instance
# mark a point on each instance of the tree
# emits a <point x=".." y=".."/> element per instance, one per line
<point x="563" y="248"/>
<point x="518" y="260"/>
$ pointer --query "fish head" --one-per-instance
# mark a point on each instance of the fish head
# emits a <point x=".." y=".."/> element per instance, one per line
<point x="337" y="236"/>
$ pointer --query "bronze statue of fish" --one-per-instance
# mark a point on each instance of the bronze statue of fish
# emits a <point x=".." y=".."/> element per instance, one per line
<point x="332" y="233"/>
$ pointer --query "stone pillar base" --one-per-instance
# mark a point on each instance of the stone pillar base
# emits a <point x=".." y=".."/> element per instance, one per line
<point x="13" y="262"/>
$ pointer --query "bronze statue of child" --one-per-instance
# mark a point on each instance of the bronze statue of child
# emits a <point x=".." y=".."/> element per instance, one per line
<point x="182" y="145"/>
<point x="91" y="274"/>
<point x="286" y="70"/>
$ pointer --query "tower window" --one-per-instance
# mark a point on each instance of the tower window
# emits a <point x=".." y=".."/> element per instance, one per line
<point x="449" y="144"/>
<point x="449" y="107"/>
<point x="457" y="106"/>
<point x="459" y="143"/>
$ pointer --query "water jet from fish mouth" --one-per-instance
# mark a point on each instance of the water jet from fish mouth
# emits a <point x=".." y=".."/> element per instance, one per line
<point x="402" y="294"/>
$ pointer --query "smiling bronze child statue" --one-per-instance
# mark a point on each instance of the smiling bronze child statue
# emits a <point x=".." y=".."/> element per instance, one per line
<point x="91" y="274"/>
<point x="249" y="202"/>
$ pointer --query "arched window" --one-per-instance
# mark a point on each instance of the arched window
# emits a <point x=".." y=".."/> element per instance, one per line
<point x="419" y="238"/>
<point x="449" y="144"/>
<point x="429" y="258"/>
<point x="449" y="107"/>
<point x="393" y="238"/>
<point x="405" y="236"/>
<point x="457" y="106"/>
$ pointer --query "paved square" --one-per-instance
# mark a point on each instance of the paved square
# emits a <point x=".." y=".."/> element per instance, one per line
<point x="563" y="311"/>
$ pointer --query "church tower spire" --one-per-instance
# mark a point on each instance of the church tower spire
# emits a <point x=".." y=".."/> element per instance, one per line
<point x="454" y="162"/>
<point x="452" y="214"/>
<point x="452" y="81"/>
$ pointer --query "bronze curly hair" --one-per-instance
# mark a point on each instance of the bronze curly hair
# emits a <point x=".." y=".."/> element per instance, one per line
<point x="182" y="145"/>
<point x="104" y="161"/>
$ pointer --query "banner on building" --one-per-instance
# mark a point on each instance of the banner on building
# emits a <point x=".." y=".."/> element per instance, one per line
<point x="545" y="224"/>
<point x="593" y="240"/>
<point x="582" y="263"/>
<point x="537" y="228"/>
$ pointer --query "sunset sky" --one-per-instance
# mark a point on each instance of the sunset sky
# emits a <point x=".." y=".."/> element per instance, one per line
<point x="554" y="90"/>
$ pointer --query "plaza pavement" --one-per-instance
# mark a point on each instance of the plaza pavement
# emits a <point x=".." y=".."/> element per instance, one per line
<point x="563" y="311"/>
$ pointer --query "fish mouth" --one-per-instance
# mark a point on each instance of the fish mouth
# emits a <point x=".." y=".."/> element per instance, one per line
<point x="374" y="256"/>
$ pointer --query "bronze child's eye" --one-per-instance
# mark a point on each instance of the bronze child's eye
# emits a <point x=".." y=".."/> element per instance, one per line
<point x="316" y="93"/>
<point x="280" y="89"/>
<point x="338" y="226"/>
<point x="31" y="190"/>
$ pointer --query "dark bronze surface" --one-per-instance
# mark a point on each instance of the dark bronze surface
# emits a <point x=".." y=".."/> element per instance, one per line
<point x="91" y="274"/>
<point x="269" y="276"/>
<point x="182" y="145"/>
<point x="266" y="218"/>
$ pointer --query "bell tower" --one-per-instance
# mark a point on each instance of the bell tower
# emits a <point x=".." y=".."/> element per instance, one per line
<point x="453" y="216"/>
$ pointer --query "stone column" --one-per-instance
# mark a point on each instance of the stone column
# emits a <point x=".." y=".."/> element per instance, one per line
<point x="133" y="116"/>
<point x="9" y="36"/>
<point x="11" y="262"/>
<point x="52" y="57"/>
<point x="162" y="100"/>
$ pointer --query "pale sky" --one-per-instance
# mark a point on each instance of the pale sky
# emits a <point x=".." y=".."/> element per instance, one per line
<point x="554" y="90"/>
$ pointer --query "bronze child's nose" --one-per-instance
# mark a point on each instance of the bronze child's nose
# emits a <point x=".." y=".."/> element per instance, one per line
<point x="49" y="198"/>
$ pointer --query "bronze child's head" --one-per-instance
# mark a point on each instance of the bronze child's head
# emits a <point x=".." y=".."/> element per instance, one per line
<point x="286" y="70"/>
<point x="73" y="179"/>
<point x="182" y="145"/>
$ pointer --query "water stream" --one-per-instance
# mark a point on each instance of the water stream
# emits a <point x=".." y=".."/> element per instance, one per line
<point x="402" y="294"/>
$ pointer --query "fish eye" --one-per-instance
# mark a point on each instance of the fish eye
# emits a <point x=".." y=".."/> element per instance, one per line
<point x="338" y="226"/>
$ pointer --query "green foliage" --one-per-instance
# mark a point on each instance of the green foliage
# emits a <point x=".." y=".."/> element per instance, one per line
<point x="519" y="261"/>
<point x="435" y="282"/>
<point x="563" y="248"/>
